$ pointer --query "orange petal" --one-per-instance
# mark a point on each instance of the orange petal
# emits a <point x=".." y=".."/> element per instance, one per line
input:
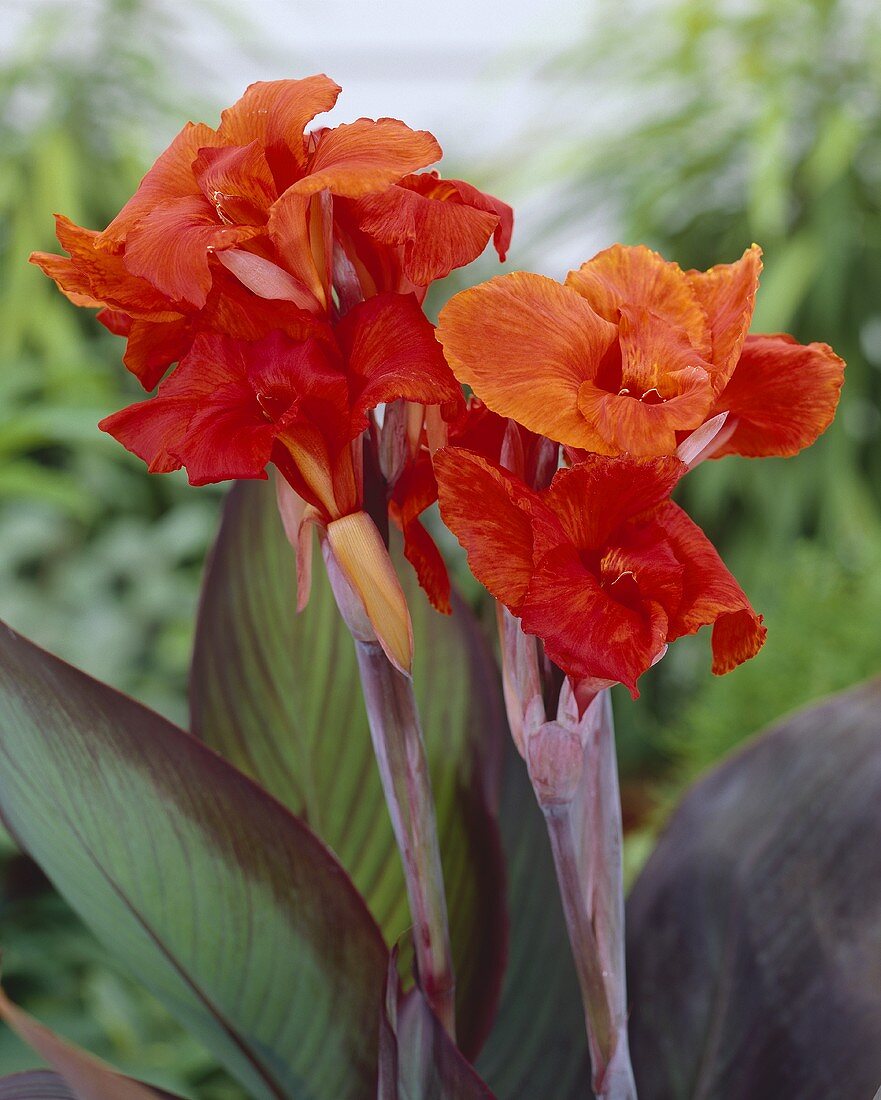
<point x="170" y="247"/>
<point x="727" y="293"/>
<point x="782" y="396"/>
<point x="489" y="512"/>
<point x="266" y="279"/>
<point x="359" y="157"/>
<point x="621" y="276"/>
<point x="292" y="230"/>
<point x="276" y="112"/>
<point x="171" y="177"/>
<point x="525" y="345"/>
<point x="362" y="555"/>
<point x="95" y="276"/>
<point x="710" y="594"/>
<point x="238" y="183"/>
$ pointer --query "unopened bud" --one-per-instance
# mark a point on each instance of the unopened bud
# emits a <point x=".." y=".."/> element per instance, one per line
<point x="555" y="758"/>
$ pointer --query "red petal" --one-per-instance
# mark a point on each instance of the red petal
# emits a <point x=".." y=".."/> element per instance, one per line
<point x="153" y="346"/>
<point x="727" y="293"/>
<point x="416" y="490"/>
<point x="276" y="112"/>
<point x="171" y="246"/>
<point x="300" y="228"/>
<point x="710" y="594"/>
<point x="359" y="157"/>
<point x="584" y="630"/>
<point x="171" y="177"/>
<point x="599" y="494"/>
<point x="782" y="394"/>
<point x="443" y="224"/>
<point x="489" y="512"/>
<point x="525" y="345"/>
<point x="392" y="353"/>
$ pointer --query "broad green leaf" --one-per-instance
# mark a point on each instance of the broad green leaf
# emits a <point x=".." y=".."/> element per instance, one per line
<point x="754" y="930"/>
<point x="224" y="905"/>
<point x="278" y="694"/>
<point x="537" y="1046"/>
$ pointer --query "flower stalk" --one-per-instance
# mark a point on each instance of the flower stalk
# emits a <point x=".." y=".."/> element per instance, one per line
<point x="403" y="769"/>
<point x="586" y="841"/>
<point x="399" y="748"/>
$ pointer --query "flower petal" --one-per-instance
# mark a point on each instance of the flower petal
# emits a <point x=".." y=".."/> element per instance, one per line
<point x="638" y="277"/>
<point x="363" y="156"/>
<point x="96" y="276"/>
<point x="525" y="344"/>
<point x="442" y="224"/>
<point x="782" y="396"/>
<point x="170" y="247"/>
<point x="710" y="594"/>
<point x="238" y="183"/>
<point x="392" y="353"/>
<point x="276" y="112"/>
<point x="489" y="512"/>
<point x="585" y="631"/>
<point x="727" y="293"/>
<point x="595" y="497"/>
<point x="171" y="177"/>
<point x="153" y="346"/>
<point x="416" y="490"/>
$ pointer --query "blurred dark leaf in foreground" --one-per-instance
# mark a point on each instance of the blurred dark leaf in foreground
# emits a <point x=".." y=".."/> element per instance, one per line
<point x="754" y="932"/>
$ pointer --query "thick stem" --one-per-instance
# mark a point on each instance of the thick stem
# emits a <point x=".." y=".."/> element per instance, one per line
<point x="586" y="840"/>
<point x="403" y="769"/>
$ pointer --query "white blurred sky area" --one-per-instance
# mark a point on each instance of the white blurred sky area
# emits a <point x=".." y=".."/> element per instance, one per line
<point x="473" y="72"/>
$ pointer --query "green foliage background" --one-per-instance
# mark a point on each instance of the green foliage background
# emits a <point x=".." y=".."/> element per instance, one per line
<point x="710" y="125"/>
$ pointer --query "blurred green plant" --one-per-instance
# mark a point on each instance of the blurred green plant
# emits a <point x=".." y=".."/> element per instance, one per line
<point x="709" y="125"/>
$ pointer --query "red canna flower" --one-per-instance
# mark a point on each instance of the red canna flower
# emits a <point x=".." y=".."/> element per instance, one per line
<point x="258" y="225"/>
<point x="602" y="566"/>
<point x="632" y="354"/>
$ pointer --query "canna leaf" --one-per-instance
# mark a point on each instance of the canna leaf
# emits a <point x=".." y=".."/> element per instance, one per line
<point x="278" y="695"/>
<point x="754" y="929"/>
<point x="35" y="1084"/>
<point x="224" y="905"/>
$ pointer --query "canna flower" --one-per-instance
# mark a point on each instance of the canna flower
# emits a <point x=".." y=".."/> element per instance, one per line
<point x="231" y="408"/>
<point x="632" y="354"/>
<point x="259" y="225"/>
<point x="601" y="566"/>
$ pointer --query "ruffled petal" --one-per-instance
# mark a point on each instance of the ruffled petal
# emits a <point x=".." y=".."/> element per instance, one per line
<point x="392" y="353"/>
<point x="727" y="293"/>
<point x="416" y="490"/>
<point x="782" y="396"/>
<point x="276" y="112"/>
<point x="710" y="594"/>
<point x="153" y="346"/>
<point x="442" y="224"/>
<point x="585" y="631"/>
<point x="598" y="495"/>
<point x="95" y="276"/>
<point x="489" y="512"/>
<point x="238" y="183"/>
<point x="525" y="345"/>
<point x="638" y="277"/>
<point x="171" y="177"/>
<point x="171" y="246"/>
<point x="205" y="417"/>
<point x="359" y="157"/>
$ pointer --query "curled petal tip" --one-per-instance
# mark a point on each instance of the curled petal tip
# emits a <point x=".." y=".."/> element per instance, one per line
<point x="362" y="556"/>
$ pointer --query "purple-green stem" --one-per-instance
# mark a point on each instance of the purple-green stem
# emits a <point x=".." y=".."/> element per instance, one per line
<point x="586" y="840"/>
<point x="403" y="769"/>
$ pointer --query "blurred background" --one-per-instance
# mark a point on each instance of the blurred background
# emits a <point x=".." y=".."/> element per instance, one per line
<point x="696" y="126"/>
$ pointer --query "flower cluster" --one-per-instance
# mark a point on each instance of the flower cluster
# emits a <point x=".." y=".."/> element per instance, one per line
<point x="284" y="271"/>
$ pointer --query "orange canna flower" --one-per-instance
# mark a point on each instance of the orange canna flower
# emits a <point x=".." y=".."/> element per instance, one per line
<point x="258" y="225"/>
<point x="602" y="566"/>
<point x="632" y="354"/>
